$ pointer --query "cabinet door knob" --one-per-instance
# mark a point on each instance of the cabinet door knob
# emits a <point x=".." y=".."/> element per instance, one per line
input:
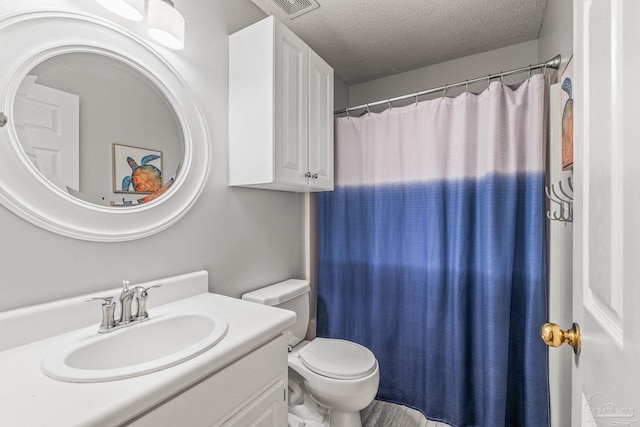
<point x="314" y="176"/>
<point x="307" y="175"/>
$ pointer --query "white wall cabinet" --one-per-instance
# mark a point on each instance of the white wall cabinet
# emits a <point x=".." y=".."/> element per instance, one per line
<point x="250" y="392"/>
<point x="280" y="111"/>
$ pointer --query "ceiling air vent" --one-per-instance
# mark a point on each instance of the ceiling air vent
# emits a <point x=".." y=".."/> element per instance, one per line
<point x="295" y="8"/>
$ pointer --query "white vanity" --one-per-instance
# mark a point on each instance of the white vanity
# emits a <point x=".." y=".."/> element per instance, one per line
<point x="241" y="380"/>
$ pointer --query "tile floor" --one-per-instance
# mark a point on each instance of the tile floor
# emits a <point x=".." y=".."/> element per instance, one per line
<point x="384" y="414"/>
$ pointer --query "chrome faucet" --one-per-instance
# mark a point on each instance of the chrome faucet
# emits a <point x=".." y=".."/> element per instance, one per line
<point x="126" y="298"/>
<point x="109" y="323"/>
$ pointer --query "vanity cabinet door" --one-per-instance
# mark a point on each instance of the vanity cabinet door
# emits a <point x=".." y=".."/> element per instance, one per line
<point x="250" y="392"/>
<point x="266" y="410"/>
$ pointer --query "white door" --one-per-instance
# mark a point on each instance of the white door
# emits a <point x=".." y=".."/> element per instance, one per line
<point x="47" y="123"/>
<point x="606" y="304"/>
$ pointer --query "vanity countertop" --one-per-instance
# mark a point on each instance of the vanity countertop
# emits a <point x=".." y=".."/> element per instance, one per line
<point x="30" y="398"/>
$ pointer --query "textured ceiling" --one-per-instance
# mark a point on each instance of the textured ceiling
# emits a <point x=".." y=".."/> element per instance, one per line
<point x="368" y="39"/>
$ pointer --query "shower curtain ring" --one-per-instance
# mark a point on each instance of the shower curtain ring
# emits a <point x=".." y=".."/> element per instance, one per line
<point x="444" y="93"/>
<point x="501" y="77"/>
<point x="348" y="116"/>
<point x="530" y="71"/>
<point x="368" y="110"/>
<point x="466" y="85"/>
<point x="417" y="97"/>
<point x="389" y="103"/>
<point x="488" y="80"/>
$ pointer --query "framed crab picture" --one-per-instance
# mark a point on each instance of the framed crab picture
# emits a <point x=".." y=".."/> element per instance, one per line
<point x="566" y="81"/>
<point x="136" y="169"/>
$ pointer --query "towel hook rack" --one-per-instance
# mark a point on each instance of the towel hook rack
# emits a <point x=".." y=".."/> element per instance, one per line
<point x="564" y="200"/>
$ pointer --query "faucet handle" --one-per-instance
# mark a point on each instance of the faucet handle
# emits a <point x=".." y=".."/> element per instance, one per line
<point x="107" y="300"/>
<point x="153" y="286"/>
<point x="141" y="296"/>
<point x="108" y="313"/>
<point x="142" y="291"/>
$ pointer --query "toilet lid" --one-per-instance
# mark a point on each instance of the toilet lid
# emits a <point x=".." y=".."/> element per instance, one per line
<point x="338" y="359"/>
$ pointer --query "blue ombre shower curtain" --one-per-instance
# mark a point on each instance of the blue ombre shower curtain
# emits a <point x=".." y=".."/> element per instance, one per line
<point x="432" y="253"/>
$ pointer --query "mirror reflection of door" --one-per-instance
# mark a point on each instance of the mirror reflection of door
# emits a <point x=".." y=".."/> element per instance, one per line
<point x="47" y="123"/>
<point x="117" y="103"/>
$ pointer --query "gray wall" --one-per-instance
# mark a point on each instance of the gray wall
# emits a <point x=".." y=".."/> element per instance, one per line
<point x="556" y="37"/>
<point x="556" y="31"/>
<point x="245" y="238"/>
<point x="341" y="94"/>
<point x="454" y="71"/>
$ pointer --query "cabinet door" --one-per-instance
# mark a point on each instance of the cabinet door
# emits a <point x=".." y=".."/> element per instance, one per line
<point x="320" y="123"/>
<point x="267" y="410"/>
<point x="249" y="392"/>
<point x="291" y="107"/>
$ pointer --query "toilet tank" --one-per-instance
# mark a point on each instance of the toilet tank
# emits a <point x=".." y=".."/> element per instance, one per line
<point x="292" y="294"/>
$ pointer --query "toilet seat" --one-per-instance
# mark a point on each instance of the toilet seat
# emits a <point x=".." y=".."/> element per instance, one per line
<point x="338" y="359"/>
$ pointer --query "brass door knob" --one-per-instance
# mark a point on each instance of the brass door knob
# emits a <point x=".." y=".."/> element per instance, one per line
<point x="554" y="336"/>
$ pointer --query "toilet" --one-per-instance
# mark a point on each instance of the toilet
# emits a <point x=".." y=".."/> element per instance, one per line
<point x="330" y="380"/>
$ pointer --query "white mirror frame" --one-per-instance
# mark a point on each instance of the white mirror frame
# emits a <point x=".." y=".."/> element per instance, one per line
<point x="30" y="38"/>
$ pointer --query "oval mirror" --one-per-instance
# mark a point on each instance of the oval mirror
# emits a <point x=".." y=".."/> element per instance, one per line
<point x="97" y="128"/>
<point x="134" y="152"/>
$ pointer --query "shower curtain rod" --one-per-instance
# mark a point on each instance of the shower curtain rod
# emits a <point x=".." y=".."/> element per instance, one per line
<point x="553" y="63"/>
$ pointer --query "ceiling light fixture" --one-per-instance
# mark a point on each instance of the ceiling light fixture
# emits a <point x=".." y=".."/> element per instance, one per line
<point x="166" y="24"/>
<point x="129" y="9"/>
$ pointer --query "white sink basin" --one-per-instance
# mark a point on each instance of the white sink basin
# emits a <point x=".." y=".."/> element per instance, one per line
<point x="162" y="341"/>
